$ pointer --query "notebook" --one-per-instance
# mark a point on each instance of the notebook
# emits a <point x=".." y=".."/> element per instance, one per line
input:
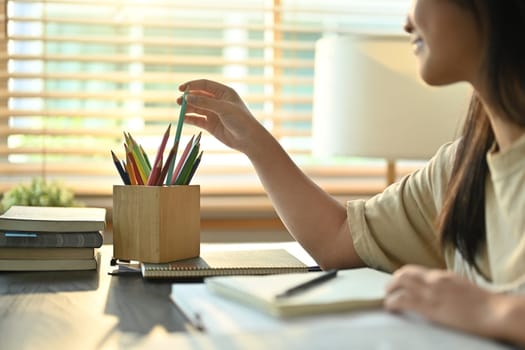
<point x="228" y="262"/>
<point x="53" y="219"/>
<point x="349" y="290"/>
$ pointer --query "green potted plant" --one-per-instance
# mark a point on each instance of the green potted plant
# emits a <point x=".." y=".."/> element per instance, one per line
<point x="39" y="193"/>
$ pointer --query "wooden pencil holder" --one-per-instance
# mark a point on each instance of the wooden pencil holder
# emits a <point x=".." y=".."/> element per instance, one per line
<point x="156" y="224"/>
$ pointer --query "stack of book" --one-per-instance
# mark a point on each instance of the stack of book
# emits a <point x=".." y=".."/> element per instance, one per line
<point x="50" y="238"/>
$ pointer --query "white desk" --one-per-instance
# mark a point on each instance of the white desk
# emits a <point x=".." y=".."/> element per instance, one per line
<point x="371" y="331"/>
<point x="230" y="325"/>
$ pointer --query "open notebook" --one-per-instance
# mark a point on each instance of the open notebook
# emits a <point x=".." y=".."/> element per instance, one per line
<point x="351" y="289"/>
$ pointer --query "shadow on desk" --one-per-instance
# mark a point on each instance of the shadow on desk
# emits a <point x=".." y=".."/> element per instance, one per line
<point x="82" y="309"/>
<point x="48" y="282"/>
<point x="140" y="306"/>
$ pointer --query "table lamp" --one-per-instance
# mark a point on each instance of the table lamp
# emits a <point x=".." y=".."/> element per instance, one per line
<point x="369" y="101"/>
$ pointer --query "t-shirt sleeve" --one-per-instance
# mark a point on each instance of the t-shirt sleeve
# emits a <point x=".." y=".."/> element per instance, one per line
<point x="398" y="226"/>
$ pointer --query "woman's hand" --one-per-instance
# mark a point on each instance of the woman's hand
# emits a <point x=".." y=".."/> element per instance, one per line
<point x="445" y="298"/>
<point x="219" y="110"/>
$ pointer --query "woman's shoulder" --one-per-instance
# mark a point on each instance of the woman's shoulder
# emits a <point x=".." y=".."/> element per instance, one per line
<point x="447" y="153"/>
<point x="440" y="166"/>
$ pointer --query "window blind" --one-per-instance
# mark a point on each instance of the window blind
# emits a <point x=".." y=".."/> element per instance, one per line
<point x="76" y="74"/>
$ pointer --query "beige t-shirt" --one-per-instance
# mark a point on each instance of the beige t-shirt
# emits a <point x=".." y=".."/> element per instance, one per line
<point x="397" y="227"/>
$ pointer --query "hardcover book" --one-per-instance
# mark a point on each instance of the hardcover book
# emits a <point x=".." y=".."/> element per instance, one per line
<point x="46" y="253"/>
<point x="32" y="239"/>
<point x="50" y="264"/>
<point x="53" y="219"/>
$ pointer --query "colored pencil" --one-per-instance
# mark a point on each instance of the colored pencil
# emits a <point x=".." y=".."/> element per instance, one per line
<point x="145" y="156"/>
<point x="182" y="160"/>
<point x="123" y="175"/>
<point x="178" y="132"/>
<point x="194" y="168"/>
<point x="157" y="165"/>
<point x="139" y="161"/>
<point x="129" y="167"/>
<point x="160" y="179"/>
<point x="134" y="168"/>
<point x="188" y="164"/>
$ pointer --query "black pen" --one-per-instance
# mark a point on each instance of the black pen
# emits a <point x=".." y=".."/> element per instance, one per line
<point x="308" y="284"/>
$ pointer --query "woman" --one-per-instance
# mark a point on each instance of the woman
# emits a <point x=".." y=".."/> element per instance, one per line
<point x="463" y="211"/>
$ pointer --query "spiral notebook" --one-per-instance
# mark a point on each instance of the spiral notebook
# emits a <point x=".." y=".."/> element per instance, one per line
<point x="228" y="263"/>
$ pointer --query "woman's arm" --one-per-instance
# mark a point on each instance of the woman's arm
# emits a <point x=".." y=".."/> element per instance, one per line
<point x="451" y="300"/>
<point x="311" y="215"/>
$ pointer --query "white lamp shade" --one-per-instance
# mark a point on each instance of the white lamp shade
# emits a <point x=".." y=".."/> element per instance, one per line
<point x="370" y="102"/>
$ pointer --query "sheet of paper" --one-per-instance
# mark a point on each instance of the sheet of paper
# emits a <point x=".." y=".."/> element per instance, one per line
<point x="228" y="323"/>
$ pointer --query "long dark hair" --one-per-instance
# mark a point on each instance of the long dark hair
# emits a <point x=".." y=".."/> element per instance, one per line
<point x="462" y="219"/>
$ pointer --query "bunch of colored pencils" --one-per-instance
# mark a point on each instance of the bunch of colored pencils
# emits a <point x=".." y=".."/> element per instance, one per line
<point x="137" y="169"/>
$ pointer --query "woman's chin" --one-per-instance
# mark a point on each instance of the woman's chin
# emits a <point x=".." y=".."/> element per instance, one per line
<point x="434" y="78"/>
